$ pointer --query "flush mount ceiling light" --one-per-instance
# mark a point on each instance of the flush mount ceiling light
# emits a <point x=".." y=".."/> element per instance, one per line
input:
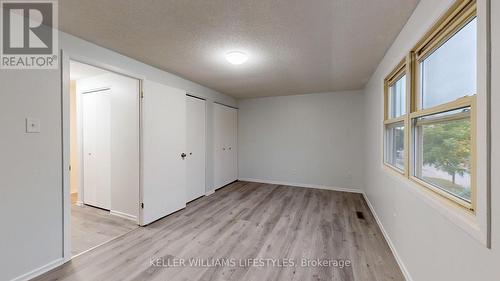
<point x="236" y="57"/>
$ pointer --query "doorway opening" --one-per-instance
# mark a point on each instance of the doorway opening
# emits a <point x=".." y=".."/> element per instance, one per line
<point x="104" y="155"/>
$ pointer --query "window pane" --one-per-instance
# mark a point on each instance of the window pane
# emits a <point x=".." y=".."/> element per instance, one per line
<point x="397" y="98"/>
<point x="450" y="72"/>
<point x="443" y="151"/>
<point x="395" y="136"/>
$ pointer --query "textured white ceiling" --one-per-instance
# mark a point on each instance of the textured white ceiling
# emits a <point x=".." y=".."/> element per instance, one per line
<point x="295" y="46"/>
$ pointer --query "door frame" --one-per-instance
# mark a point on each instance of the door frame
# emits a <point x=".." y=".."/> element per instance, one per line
<point x="66" y="57"/>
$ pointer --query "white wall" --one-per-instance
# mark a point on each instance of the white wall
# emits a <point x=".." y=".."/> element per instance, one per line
<point x="124" y="139"/>
<point x="31" y="164"/>
<point x="30" y="171"/>
<point x="313" y="139"/>
<point x="429" y="244"/>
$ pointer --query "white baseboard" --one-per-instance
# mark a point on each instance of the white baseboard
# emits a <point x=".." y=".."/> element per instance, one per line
<point x="39" y="271"/>
<point x="208" y="193"/>
<point x="79" y="203"/>
<point x="123" y="215"/>
<point x="389" y="241"/>
<point x="316" y="186"/>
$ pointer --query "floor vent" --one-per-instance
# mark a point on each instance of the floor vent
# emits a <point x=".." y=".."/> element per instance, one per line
<point x="360" y="215"/>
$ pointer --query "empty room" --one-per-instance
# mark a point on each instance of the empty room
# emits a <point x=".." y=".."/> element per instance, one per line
<point x="342" y="140"/>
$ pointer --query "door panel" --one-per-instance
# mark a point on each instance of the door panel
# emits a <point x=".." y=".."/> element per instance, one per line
<point x="219" y="146"/>
<point x="225" y="145"/>
<point x="233" y="151"/>
<point x="164" y="140"/>
<point x="195" y="125"/>
<point x="96" y="111"/>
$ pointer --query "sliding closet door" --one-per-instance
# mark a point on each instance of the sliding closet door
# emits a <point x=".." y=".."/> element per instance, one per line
<point x="225" y="145"/>
<point x="195" y="126"/>
<point x="233" y="143"/>
<point x="228" y="145"/>
<point x="164" y="144"/>
<point x="219" y="146"/>
<point x="96" y="121"/>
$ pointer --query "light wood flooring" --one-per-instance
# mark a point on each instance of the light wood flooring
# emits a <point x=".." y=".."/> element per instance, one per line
<point x="248" y="222"/>
<point x="91" y="227"/>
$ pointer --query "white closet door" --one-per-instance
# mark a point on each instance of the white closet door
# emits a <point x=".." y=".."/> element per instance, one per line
<point x="228" y="134"/>
<point x="218" y="119"/>
<point x="233" y="145"/>
<point x="225" y="146"/>
<point x="195" y="125"/>
<point x="96" y="119"/>
<point x="164" y="140"/>
<point x="231" y="149"/>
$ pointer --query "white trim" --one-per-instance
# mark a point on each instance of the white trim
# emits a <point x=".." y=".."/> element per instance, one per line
<point x="79" y="203"/>
<point x="39" y="271"/>
<point x="294" y="184"/>
<point x="208" y="193"/>
<point x="124" y="215"/>
<point x="66" y="155"/>
<point x="140" y="206"/>
<point x="400" y="262"/>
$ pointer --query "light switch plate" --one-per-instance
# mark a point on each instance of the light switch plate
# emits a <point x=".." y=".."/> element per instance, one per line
<point x="32" y="125"/>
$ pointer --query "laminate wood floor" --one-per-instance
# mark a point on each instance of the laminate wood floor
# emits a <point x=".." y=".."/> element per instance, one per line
<point x="252" y="225"/>
<point x="91" y="227"/>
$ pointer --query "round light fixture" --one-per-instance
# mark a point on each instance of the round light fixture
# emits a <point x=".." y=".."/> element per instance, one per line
<point x="236" y="57"/>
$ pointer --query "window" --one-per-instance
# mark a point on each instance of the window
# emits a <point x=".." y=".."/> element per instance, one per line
<point x="397" y="98"/>
<point x="450" y="71"/>
<point x="395" y="118"/>
<point x="395" y="145"/>
<point x="430" y="124"/>
<point x="443" y="152"/>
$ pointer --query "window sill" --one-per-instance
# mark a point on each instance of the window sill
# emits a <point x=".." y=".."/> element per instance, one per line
<point x="443" y="195"/>
<point x="394" y="169"/>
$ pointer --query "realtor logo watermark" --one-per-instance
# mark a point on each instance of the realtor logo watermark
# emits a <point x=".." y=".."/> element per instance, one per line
<point x="29" y="34"/>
